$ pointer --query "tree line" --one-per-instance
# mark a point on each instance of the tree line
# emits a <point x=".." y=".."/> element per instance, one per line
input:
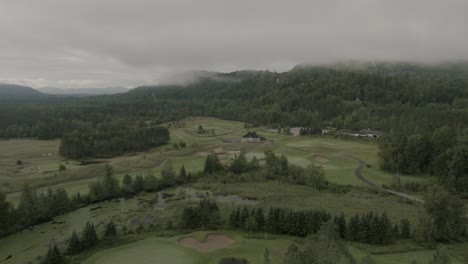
<point x="111" y="139"/>
<point x="77" y="244"/>
<point x="443" y="153"/>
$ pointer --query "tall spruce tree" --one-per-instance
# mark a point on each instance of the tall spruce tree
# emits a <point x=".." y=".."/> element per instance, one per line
<point x="53" y="256"/>
<point x="110" y="184"/>
<point x="127" y="185"/>
<point x="74" y="245"/>
<point x="89" y="236"/>
<point x="111" y="230"/>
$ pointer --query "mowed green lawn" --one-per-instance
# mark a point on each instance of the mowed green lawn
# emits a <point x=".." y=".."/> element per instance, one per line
<point x="421" y="256"/>
<point x="167" y="250"/>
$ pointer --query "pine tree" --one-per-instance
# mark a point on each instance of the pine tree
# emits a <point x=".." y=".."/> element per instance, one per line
<point x="6" y="211"/>
<point x="212" y="164"/>
<point x="28" y="208"/>
<point x="396" y="231"/>
<point x="183" y="175"/>
<point x="244" y="215"/>
<point x="234" y="218"/>
<point x="150" y="183"/>
<point x="260" y="219"/>
<point x="127" y="185"/>
<point x="405" y="228"/>
<point x="138" y="184"/>
<point x="341" y="224"/>
<point x="111" y="230"/>
<point x="74" y="245"/>
<point x="253" y="164"/>
<point x="250" y="224"/>
<point x="110" y="184"/>
<point x="53" y="256"/>
<point x="89" y="237"/>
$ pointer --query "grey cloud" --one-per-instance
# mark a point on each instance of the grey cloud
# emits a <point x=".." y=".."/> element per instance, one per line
<point x="125" y="43"/>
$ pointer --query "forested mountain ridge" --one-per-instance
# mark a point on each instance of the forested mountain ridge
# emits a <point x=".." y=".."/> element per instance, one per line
<point x="335" y="96"/>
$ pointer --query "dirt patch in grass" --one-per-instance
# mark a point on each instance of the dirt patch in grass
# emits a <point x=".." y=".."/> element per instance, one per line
<point x="203" y="153"/>
<point x="319" y="158"/>
<point x="211" y="242"/>
<point x="218" y="150"/>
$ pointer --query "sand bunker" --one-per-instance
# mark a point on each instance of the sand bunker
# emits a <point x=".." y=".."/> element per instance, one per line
<point x="212" y="242"/>
<point x="203" y="153"/>
<point x="218" y="150"/>
<point x="319" y="158"/>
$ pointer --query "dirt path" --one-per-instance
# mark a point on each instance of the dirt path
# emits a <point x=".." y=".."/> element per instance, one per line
<point x="358" y="173"/>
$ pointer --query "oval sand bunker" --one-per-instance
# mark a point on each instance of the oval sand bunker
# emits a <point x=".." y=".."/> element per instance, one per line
<point x="212" y="242"/>
<point x="319" y="158"/>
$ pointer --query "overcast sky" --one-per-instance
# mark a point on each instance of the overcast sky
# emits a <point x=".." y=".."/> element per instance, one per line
<point x="98" y="43"/>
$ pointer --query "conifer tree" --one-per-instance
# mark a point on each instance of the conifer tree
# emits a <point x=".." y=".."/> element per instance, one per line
<point x="74" y="245"/>
<point x="138" y="184"/>
<point x="127" y="185"/>
<point x="183" y="175"/>
<point x="111" y="230"/>
<point x="260" y="219"/>
<point x="89" y="237"/>
<point x="53" y="256"/>
<point x="405" y="228"/>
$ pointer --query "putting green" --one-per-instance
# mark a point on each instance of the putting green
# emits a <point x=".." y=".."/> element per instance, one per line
<point x="153" y="250"/>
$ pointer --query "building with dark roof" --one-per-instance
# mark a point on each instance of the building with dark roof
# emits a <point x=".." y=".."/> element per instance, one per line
<point x="252" y="136"/>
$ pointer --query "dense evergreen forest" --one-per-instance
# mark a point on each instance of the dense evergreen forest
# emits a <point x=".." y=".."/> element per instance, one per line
<point x="422" y="109"/>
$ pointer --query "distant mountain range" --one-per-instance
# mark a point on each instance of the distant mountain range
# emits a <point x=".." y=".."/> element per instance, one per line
<point x="18" y="91"/>
<point x="83" y="91"/>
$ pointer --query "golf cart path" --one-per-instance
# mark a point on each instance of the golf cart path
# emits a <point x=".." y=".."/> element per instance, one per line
<point x="358" y="173"/>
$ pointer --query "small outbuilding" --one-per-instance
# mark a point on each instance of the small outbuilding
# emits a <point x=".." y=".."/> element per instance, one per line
<point x="370" y="133"/>
<point x="252" y="136"/>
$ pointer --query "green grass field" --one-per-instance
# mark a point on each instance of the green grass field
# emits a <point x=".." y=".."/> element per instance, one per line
<point x="167" y="250"/>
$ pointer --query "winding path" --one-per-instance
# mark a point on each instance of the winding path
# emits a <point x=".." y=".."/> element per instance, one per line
<point x="358" y="173"/>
